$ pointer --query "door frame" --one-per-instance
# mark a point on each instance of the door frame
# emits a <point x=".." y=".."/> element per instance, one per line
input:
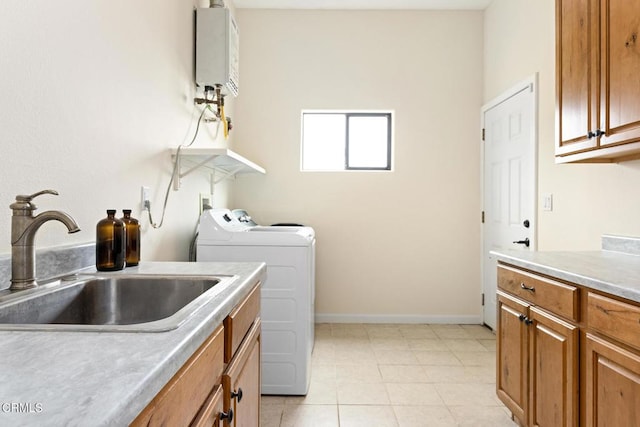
<point x="530" y="83"/>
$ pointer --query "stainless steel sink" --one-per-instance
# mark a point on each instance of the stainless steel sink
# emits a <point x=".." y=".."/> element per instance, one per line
<point x="122" y="303"/>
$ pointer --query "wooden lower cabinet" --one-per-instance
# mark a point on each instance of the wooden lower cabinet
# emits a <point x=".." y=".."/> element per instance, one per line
<point x="212" y="414"/>
<point x="553" y="370"/>
<point x="538" y="348"/>
<point x="612" y="386"/>
<point x="180" y="401"/>
<point x="537" y="369"/>
<point x="512" y="377"/>
<point x="209" y="392"/>
<point x="241" y="382"/>
<point x="568" y="361"/>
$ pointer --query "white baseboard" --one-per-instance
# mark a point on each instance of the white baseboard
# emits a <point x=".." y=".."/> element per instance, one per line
<point x="461" y="319"/>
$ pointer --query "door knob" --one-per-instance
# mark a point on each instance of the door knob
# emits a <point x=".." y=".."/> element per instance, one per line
<point x="523" y="242"/>
<point x="526" y="223"/>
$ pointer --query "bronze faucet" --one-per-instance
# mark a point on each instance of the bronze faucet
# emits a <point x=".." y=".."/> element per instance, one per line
<point x="23" y="230"/>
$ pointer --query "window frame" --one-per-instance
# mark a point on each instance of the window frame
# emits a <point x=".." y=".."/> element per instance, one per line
<point x="347" y="114"/>
<point x="346" y="140"/>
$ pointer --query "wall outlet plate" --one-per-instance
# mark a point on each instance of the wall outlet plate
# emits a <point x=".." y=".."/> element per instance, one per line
<point x="144" y="197"/>
<point x="206" y="202"/>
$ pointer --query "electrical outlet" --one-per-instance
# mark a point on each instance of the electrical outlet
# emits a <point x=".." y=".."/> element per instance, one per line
<point x="206" y="201"/>
<point x="144" y="197"/>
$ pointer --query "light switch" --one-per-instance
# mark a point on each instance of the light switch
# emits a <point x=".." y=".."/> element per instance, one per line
<point x="547" y="202"/>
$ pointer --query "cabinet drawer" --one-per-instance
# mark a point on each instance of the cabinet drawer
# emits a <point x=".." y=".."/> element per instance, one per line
<point x="180" y="400"/>
<point x="238" y="322"/>
<point x="554" y="296"/>
<point x="209" y="415"/>
<point x="617" y="319"/>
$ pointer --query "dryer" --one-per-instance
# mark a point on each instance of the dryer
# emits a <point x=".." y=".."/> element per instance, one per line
<point x="288" y="293"/>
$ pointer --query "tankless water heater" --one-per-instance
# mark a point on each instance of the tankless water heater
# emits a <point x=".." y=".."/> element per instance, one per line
<point x="217" y="49"/>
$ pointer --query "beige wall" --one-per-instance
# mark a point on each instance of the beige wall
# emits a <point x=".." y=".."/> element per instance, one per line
<point x="92" y="96"/>
<point x="391" y="246"/>
<point x="95" y="93"/>
<point x="589" y="200"/>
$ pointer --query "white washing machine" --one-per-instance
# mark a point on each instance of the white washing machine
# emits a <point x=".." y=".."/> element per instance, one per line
<point x="288" y="294"/>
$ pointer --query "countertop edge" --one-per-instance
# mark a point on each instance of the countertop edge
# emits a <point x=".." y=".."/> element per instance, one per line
<point x="609" y="272"/>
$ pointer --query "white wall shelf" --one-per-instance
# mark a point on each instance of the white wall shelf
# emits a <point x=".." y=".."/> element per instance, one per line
<point x="222" y="163"/>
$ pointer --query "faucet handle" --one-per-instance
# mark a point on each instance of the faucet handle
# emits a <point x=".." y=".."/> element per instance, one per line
<point x="23" y="198"/>
<point x="23" y="203"/>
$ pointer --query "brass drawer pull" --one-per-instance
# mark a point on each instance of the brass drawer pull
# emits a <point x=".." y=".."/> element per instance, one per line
<point x="527" y="288"/>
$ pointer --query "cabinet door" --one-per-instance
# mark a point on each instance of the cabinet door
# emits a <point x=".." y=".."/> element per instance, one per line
<point x="620" y="69"/>
<point x="241" y="381"/>
<point x="248" y="408"/>
<point x="553" y="371"/>
<point x="612" y="385"/>
<point x="211" y="414"/>
<point x="577" y="81"/>
<point x="512" y="381"/>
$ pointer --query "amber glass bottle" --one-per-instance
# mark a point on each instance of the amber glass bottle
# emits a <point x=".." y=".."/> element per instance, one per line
<point x="132" y="246"/>
<point x="110" y="243"/>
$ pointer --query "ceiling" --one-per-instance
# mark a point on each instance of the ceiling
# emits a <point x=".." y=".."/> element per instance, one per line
<point x="362" y="4"/>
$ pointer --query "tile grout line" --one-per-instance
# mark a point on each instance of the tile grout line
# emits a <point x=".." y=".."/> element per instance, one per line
<point x="374" y="343"/>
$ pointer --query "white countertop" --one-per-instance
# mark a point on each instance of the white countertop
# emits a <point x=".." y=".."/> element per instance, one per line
<point x="108" y="378"/>
<point x="607" y="271"/>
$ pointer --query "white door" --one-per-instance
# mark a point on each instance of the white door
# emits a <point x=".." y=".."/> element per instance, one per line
<point x="509" y="182"/>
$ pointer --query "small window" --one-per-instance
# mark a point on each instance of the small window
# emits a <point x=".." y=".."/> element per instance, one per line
<point x="335" y="141"/>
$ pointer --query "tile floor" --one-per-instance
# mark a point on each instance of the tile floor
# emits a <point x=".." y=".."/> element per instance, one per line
<point x="374" y="375"/>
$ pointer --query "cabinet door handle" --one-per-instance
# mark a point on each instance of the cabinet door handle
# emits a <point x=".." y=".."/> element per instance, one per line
<point x="527" y="288"/>
<point x="227" y="415"/>
<point x="525" y="319"/>
<point x="598" y="133"/>
<point x="237" y="394"/>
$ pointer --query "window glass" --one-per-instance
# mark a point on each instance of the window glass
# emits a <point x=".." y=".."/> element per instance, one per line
<point x="323" y="141"/>
<point x="368" y="142"/>
<point x="335" y="141"/>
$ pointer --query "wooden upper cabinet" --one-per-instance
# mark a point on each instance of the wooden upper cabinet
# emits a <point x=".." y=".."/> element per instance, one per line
<point x="620" y="71"/>
<point x="577" y="96"/>
<point x="598" y="90"/>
